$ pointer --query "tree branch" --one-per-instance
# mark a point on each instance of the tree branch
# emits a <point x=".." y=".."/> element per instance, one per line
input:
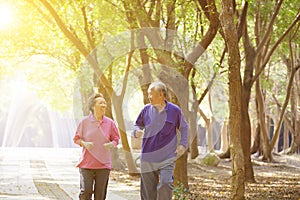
<point x="270" y="27"/>
<point x="86" y="29"/>
<point x="268" y="56"/>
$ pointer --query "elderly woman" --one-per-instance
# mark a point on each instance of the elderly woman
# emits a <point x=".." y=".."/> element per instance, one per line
<point x="97" y="134"/>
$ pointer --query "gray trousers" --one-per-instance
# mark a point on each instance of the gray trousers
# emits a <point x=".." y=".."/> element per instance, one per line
<point x="93" y="181"/>
<point x="157" y="184"/>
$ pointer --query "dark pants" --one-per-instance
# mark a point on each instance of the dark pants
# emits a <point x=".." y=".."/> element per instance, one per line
<point x="93" y="181"/>
<point x="157" y="184"/>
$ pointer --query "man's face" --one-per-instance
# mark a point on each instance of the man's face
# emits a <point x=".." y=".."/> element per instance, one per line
<point x="155" y="97"/>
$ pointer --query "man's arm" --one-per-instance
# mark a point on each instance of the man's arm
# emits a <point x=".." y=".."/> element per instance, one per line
<point x="183" y="130"/>
<point x="138" y="130"/>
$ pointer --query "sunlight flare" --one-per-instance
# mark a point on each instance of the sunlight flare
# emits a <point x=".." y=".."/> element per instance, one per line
<point x="6" y="16"/>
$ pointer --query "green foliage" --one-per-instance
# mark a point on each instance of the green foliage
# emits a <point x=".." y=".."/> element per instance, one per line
<point x="55" y="89"/>
<point x="34" y="31"/>
<point x="181" y="192"/>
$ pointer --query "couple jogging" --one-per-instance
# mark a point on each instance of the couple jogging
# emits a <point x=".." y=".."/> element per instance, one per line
<point x="157" y="124"/>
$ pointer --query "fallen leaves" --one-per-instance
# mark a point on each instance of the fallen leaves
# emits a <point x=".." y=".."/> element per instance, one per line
<point x="273" y="181"/>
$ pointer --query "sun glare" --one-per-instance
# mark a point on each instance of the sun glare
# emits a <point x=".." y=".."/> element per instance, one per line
<point x="6" y="16"/>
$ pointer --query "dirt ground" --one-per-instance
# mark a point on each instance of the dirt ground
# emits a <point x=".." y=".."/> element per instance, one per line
<point x="274" y="181"/>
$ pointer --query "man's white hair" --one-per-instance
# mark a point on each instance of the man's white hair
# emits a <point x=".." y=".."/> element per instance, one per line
<point x="159" y="86"/>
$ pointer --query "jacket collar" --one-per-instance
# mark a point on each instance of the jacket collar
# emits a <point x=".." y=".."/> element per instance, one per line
<point x="93" y="119"/>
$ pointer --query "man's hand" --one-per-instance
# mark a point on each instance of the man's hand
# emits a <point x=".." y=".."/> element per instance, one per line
<point x="87" y="145"/>
<point x="180" y="150"/>
<point x="108" y="145"/>
<point x="139" y="133"/>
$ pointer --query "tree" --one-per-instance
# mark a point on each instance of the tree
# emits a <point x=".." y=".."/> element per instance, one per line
<point x="235" y="90"/>
<point x="156" y="14"/>
<point x="253" y="57"/>
<point x="294" y="55"/>
<point x="262" y="57"/>
<point x="86" y="46"/>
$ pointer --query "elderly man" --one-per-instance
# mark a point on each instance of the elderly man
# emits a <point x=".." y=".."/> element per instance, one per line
<point x="158" y="124"/>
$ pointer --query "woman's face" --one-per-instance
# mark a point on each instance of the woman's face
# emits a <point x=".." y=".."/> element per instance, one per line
<point x="100" y="106"/>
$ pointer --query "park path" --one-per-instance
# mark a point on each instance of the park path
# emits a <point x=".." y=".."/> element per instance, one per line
<point x="46" y="174"/>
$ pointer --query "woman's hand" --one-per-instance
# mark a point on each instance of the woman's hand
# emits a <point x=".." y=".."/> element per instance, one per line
<point x="87" y="145"/>
<point x="108" y="145"/>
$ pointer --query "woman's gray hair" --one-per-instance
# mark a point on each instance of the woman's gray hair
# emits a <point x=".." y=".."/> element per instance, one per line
<point x="159" y="86"/>
<point x="92" y="101"/>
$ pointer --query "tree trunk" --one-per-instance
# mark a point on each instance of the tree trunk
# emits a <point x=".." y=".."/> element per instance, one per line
<point x="193" y="134"/>
<point x="132" y="170"/>
<point x="194" y="152"/>
<point x="246" y="135"/>
<point x="209" y="7"/>
<point x="207" y="125"/>
<point x="235" y="90"/>
<point x="267" y="156"/>
<point x="290" y="130"/>
<point x="224" y="137"/>
<point x="256" y="147"/>
<point x="225" y="154"/>
<point x="213" y="17"/>
<point x="295" y="146"/>
<point x="209" y="135"/>
<point x="286" y="140"/>
<point x="180" y="172"/>
<point x="289" y="90"/>
<point x="295" y="94"/>
<point x="146" y="78"/>
<point x="246" y="94"/>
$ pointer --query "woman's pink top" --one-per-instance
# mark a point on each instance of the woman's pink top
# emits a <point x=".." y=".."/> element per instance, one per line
<point x="98" y="132"/>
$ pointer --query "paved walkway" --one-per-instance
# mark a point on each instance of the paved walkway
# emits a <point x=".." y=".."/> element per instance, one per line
<point x="45" y="173"/>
